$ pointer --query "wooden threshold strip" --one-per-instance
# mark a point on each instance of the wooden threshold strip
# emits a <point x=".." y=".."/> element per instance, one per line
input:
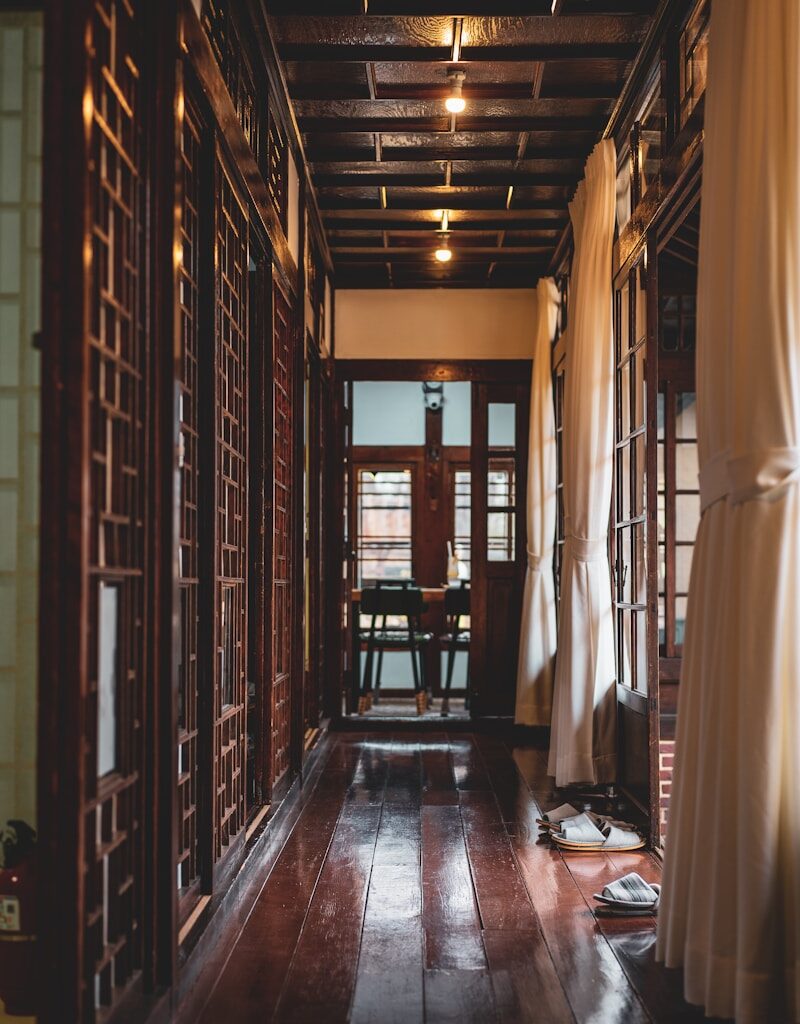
<point x="192" y="919"/>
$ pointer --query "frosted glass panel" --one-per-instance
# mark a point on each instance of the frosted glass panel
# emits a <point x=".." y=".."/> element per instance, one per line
<point x="388" y="413"/>
<point x="457" y="413"/>
<point x="502" y="424"/>
<point x="20" y="228"/>
<point x="108" y="626"/>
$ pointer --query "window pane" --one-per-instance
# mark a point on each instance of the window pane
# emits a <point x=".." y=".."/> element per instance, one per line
<point x="624" y="315"/>
<point x="457" y="413"/>
<point x="639" y="396"/>
<point x="388" y="413"/>
<point x="686" y="416"/>
<point x="683" y="567"/>
<point x="108" y="628"/>
<point x="686" y="469"/>
<point x="384" y="524"/>
<point x="624" y="400"/>
<point x="680" y="619"/>
<point x="501" y="517"/>
<point x="624" y="482"/>
<point x="639" y="476"/>
<point x="639" y="565"/>
<point x="502" y="425"/>
<point x="625" y="565"/>
<point x="462" y="510"/>
<point x="640" y="624"/>
<point x="227" y="655"/>
<point x="625" y="647"/>
<point x="687" y="516"/>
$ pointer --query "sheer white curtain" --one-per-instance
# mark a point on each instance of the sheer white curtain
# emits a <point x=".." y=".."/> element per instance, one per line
<point x="730" y="906"/>
<point x="537" y="644"/>
<point x="582" y="743"/>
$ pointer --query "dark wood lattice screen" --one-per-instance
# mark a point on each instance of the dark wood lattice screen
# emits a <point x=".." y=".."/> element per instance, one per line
<point x="188" y="583"/>
<point x="118" y="366"/>
<point x="230" y="691"/>
<point x="283" y="377"/>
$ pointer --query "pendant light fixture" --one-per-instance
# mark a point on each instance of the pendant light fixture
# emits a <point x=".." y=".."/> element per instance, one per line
<point x="455" y="102"/>
<point x="444" y="253"/>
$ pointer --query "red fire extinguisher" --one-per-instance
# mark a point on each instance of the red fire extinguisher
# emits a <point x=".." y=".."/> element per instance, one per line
<point x="17" y="919"/>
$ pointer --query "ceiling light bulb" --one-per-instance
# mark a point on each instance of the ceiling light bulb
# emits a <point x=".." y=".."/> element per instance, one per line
<point x="455" y="102"/>
<point x="444" y="254"/>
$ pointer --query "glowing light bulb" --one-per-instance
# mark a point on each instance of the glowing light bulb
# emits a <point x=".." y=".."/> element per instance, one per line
<point x="455" y="102"/>
<point x="444" y="254"/>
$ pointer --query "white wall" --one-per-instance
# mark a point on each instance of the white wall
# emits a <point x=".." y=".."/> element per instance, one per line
<point x="435" y="323"/>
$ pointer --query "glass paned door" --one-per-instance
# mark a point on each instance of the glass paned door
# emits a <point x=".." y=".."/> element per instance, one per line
<point x="498" y="482"/>
<point x="630" y="473"/>
<point x="633" y="554"/>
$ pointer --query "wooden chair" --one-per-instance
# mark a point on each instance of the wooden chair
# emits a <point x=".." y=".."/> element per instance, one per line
<point x="398" y="599"/>
<point x="456" y="607"/>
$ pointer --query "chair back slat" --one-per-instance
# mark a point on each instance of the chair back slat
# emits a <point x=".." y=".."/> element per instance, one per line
<point x="392" y="600"/>
<point x="456" y="600"/>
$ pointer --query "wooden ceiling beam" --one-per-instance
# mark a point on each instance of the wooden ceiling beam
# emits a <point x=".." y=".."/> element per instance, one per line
<point x="319" y="156"/>
<point x="561" y="112"/>
<point x="424" y="219"/>
<point x="424" y="255"/>
<point x="345" y="90"/>
<point x="354" y="168"/>
<point x="474" y="179"/>
<point x="382" y="38"/>
<point x="458" y="218"/>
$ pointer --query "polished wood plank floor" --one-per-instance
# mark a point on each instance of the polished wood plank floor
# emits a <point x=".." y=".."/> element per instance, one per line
<point x="414" y="887"/>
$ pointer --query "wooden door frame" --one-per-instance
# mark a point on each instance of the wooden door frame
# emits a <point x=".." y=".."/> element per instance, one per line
<point x="346" y="372"/>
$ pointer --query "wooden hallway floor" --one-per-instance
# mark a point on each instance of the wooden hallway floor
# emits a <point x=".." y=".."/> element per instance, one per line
<point x="414" y="888"/>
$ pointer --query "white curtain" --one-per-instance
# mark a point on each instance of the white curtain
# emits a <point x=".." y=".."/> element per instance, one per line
<point x="537" y="643"/>
<point x="730" y="906"/>
<point x="582" y="744"/>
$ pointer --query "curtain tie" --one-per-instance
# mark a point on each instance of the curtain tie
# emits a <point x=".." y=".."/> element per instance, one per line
<point x="755" y="475"/>
<point x="538" y="562"/>
<point x="587" y="549"/>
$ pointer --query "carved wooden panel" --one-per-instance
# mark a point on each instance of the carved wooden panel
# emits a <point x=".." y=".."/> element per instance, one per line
<point x="117" y="490"/>
<point x="230" y="690"/>
<point x="283" y="385"/>
<point x="188" y="582"/>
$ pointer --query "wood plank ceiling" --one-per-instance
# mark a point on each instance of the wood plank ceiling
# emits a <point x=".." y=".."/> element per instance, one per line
<point x="368" y="80"/>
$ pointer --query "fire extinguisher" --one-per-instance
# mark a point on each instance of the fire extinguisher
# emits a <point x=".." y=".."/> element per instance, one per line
<point x="18" y="919"/>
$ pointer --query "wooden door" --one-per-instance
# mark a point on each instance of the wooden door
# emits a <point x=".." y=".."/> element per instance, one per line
<point x="633" y="570"/>
<point x="229" y="631"/>
<point x="499" y="479"/>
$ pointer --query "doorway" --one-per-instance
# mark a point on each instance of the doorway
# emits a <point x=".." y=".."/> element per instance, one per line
<point x="412" y="512"/>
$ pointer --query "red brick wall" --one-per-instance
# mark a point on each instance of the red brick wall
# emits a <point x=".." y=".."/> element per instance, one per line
<point x="666" y="752"/>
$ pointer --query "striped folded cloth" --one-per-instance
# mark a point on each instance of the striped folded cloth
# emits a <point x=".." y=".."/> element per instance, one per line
<point x="630" y="891"/>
